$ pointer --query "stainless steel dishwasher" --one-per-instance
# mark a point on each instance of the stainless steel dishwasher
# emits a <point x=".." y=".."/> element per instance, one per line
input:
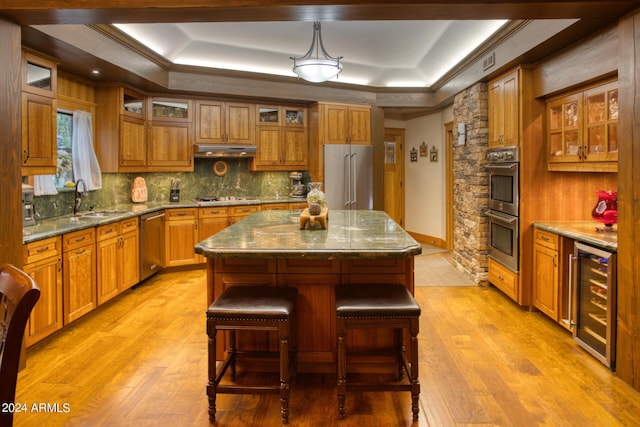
<point x="151" y="244"/>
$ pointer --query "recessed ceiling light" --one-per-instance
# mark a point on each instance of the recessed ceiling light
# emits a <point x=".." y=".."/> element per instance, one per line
<point x="95" y="72"/>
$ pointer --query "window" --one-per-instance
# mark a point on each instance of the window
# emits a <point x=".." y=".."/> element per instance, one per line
<point x="64" y="173"/>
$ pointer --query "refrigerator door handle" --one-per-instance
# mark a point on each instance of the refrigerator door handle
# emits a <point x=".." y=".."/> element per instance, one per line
<point x="572" y="287"/>
<point x="353" y="177"/>
<point x="347" y="181"/>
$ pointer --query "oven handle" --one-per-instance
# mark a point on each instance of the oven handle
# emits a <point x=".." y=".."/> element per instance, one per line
<point x="499" y="218"/>
<point x="505" y="166"/>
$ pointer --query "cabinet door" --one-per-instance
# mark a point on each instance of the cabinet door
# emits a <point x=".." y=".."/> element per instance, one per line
<point x="504" y="110"/>
<point x="46" y="317"/>
<point x="39" y="148"/>
<point x="295" y="147"/>
<point x="209" y="122"/>
<point x="133" y="142"/>
<point x="601" y="121"/>
<point x="240" y="123"/>
<point x="510" y="123"/>
<point x="181" y="236"/>
<point x="268" y="151"/>
<point x="336" y="119"/>
<point x="564" y="130"/>
<point x="170" y="146"/>
<point x="545" y="280"/>
<point x="128" y="259"/>
<point x="79" y="267"/>
<point x="207" y="227"/>
<point x="359" y="125"/>
<point x="107" y="276"/>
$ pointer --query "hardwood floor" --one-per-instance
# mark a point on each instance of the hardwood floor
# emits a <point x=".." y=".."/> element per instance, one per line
<point x="141" y="361"/>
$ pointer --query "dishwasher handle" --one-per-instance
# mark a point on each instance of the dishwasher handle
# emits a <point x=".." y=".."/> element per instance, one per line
<point x="149" y="218"/>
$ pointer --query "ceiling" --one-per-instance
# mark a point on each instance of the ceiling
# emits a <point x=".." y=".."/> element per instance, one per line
<point x="375" y="53"/>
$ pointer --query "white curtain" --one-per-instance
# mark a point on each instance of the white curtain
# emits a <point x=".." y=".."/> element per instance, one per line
<point x="85" y="163"/>
<point x="44" y="185"/>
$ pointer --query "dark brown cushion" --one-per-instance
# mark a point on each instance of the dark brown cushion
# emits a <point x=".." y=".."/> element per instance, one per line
<point x="375" y="301"/>
<point x="254" y="302"/>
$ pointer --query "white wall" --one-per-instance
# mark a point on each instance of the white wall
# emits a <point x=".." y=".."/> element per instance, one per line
<point x="425" y="181"/>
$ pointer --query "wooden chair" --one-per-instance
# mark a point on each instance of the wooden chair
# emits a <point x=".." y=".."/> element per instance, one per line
<point x="253" y="308"/>
<point x="18" y="295"/>
<point x="379" y="306"/>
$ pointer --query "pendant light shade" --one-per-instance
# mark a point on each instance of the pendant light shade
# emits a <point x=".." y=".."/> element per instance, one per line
<point x="317" y="65"/>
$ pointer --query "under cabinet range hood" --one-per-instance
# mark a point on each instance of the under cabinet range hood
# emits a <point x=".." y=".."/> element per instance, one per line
<point x="223" y="150"/>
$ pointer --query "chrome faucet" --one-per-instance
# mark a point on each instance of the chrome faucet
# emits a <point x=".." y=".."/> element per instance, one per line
<point x="76" y="206"/>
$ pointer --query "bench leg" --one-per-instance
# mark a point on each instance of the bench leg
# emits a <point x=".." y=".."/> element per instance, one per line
<point x="211" y="386"/>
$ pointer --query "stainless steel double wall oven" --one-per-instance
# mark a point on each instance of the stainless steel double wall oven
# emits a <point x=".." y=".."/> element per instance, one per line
<point x="503" y="166"/>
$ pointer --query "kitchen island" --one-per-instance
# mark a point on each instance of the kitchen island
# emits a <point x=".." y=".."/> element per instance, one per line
<point x="269" y="249"/>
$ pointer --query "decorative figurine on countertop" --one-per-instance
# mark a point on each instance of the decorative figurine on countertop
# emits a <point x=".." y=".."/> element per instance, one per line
<point x="139" y="190"/>
<point x="315" y="216"/>
<point x="606" y="209"/>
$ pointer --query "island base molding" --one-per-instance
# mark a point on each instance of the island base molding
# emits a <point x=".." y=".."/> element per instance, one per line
<point x="315" y="280"/>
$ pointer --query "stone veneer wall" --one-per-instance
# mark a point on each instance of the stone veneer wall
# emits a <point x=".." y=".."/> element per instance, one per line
<point x="471" y="184"/>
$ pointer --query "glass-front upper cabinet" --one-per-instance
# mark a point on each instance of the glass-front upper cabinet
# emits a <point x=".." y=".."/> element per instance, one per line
<point x="133" y="103"/>
<point x="281" y="116"/>
<point x="39" y="75"/>
<point x="170" y="109"/>
<point x="601" y="104"/>
<point x="582" y="130"/>
<point x="564" y="134"/>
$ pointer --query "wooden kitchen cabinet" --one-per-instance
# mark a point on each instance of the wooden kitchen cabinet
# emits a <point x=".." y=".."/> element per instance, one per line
<point x="545" y="273"/>
<point x="121" y="129"/>
<point x="39" y="110"/>
<point x="582" y="130"/>
<point x="551" y="285"/>
<point x="181" y="235"/>
<point x="210" y="221"/>
<point x="79" y="274"/>
<point x="346" y="124"/>
<point x="504" y="279"/>
<point x="281" y="138"/>
<point x="504" y="107"/>
<point x="170" y="136"/>
<point x="117" y="258"/>
<point x="236" y="213"/>
<point x="42" y="261"/>
<point x="219" y="122"/>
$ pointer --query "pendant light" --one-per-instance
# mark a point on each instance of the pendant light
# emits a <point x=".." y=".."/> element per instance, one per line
<point x="316" y="65"/>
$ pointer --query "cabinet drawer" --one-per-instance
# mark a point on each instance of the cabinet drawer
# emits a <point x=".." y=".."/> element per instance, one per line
<point x="78" y="239"/>
<point x="42" y="249"/>
<point x="213" y="212"/>
<point x="127" y="225"/>
<point x="244" y="210"/>
<point x="298" y="205"/>
<point x="545" y="238"/>
<point x="503" y="278"/>
<point x="106" y="231"/>
<point x="275" y="207"/>
<point x="180" y="214"/>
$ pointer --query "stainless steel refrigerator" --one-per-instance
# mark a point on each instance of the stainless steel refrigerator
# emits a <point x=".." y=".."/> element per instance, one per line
<point x="348" y="176"/>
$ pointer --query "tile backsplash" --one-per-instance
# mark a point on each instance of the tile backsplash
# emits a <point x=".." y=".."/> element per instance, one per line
<point x="116" y="187"/>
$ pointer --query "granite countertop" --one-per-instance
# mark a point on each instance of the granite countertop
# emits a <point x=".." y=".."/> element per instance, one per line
<point x="52" y="227"/>
<point x="277" y="234"/>
<point x="583" y="231"/>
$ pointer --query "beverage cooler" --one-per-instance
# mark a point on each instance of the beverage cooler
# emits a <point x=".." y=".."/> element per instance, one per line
<point x="594" y="281"/>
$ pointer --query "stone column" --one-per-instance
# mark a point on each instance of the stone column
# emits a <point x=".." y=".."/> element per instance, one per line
<point x="471" y="184"/>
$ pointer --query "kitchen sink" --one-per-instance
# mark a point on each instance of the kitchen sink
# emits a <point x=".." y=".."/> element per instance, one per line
<point x="100" y="214"/>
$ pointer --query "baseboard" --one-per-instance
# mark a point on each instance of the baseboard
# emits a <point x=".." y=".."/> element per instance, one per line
<point x="429" y="240"/>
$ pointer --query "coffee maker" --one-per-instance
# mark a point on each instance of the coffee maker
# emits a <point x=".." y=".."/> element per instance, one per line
<point x="297" y="187"/>
<point x="28" y="211"/>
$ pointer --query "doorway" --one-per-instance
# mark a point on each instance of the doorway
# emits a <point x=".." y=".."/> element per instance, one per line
<point x="448" y="143"/>
<point x="394" y="174"/>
